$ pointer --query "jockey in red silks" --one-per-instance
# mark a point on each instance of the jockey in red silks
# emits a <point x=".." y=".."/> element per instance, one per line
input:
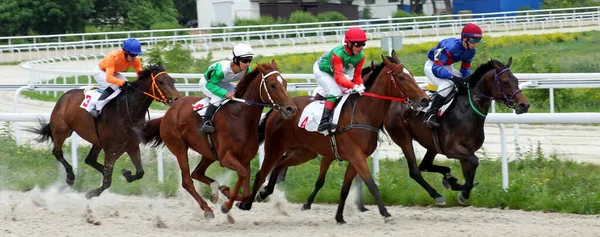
<point x="439" y="70"/>
<point x="108" y="75"/>
<point x="330" y="68"/>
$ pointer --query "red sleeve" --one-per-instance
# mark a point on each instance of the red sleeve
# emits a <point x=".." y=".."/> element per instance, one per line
<point x="357" y="79"/>
<point x="338" y="72"/>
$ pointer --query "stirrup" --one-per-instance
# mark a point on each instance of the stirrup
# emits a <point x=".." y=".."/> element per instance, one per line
<point x="206" y="128"/>
<point x="95" y="113"/>
<point x="431" y="121"/>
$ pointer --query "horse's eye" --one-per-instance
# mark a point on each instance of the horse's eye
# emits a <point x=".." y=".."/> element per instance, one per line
<point x="160" y="82"/>
<point x="272" y="85"/>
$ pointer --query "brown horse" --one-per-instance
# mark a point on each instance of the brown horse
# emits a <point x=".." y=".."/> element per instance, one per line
<point x="110" y="132"/>
<point x="235" y="138"/>
<point x="461" y="132"/>
<point x="392" y="79"/>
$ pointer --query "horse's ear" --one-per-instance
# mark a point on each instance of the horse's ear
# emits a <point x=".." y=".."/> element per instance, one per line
<point x="372" y="65"/>
<point x="395" y="55"/>
<point x="385" y="60"/>
<point x="509" y="62"/>
<point x="494" y="64"/>
<point x="274" y="64"/>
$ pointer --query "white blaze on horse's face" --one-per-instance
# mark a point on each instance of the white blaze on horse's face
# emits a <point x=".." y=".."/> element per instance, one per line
<point x="407" y="72"/>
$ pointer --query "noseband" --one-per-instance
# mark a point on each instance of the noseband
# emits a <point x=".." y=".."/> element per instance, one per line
<point x="507" y="97"/>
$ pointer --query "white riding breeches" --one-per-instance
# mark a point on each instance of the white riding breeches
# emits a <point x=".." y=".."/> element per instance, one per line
<point x="444" y="85"/>
<point x="327" y="85"/>
<point x="215" y="99"/>
<point x="100" y="77"/>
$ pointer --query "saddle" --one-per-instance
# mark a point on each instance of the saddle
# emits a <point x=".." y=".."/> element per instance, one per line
<point x="312" y="113"/>
<point x="445" y="105"/>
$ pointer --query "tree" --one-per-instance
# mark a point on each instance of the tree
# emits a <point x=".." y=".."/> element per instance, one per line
<point x="187" y="10"/>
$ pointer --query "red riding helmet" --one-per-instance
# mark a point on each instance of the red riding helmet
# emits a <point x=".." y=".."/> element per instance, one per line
<point x="471" y="31"/>
<point x="355" y="35"/>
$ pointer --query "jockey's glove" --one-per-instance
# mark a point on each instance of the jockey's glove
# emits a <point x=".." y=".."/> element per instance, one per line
<point x="360" y="88"/>
<point x="458" y="80"/>
<point x="127" y="84"/>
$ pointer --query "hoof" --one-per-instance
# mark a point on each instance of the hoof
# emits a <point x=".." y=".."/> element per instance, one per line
<point x="246" y="206"/>
<point x="70" y="182"/>
<point x="340" y="221"/>
<point x="440" y="201"/>
<point x="362" y="209"/>
<point x="127" y="174"/>
<point x="305" y="207"/>
<point x="224" y="209"/>
<point x="259" y="197"/>
<point x="461" y="199"/>
<point x="389" y="220"/>
<point x="91" y="194"/>
<point x="446" y="184"/>
<point x="209" y="215"/>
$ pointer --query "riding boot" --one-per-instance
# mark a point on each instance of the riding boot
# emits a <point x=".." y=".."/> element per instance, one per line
<point x="207" y="126"/>
<point x="430" y="118"/>
<point x="105" y="94"/>
<point x="325" y="123"/>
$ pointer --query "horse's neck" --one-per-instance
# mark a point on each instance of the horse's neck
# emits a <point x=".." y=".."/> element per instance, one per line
<point x="134" y="102"/>
<point x="374" y="108"/>
<point x="251" y="112"/>
<point x="466" y="107"/>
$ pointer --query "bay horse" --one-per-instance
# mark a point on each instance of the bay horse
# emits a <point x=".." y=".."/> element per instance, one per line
<point x="461" y="132"/>
<point x="235" y="138"/>
<point x="109" y="133"/>
<point x="392" y="79"/>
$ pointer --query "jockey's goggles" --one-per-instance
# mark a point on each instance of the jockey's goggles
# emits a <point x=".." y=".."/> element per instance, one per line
<point x="246" y="59"/>
<point x="359" y="44"/>
<point x="474" y="40"/>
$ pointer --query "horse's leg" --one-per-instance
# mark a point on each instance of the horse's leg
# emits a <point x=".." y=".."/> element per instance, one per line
<point x="136" y="159"/>
<point x="59" y="136"/>
<point x="232" y="162"/>
<point x="199" y="174"/>
<point x="359" y="162"/>
<point x="469" y="166"/>
<point x="92" y="158"/>
<point x="187" y="183"/>
<point x="325" y="163"/>
<point x="414" y="171"/>
<point x="348" y="177"/>
<point x="449" y="181"/>
<point x="109" y="165"/>
<point x="294" y="157"/>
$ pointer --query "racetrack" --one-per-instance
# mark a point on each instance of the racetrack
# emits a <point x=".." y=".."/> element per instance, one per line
<point x="65" y="213"/>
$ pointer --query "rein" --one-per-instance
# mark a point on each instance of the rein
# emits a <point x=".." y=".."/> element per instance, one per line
<point x="401" y="99"/>
<point x="507" y="100"/>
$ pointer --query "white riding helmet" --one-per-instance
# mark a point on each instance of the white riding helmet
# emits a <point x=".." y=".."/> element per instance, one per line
<point x="242" y="50"/>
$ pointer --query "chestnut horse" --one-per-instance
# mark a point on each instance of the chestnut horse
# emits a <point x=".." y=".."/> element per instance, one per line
<point x="391" y="79"/>
<point x="110" y="132"/>
<point x="235" y="138"/>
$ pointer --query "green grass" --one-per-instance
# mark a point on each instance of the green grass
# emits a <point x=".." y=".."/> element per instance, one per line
<point x="538" y="182"/>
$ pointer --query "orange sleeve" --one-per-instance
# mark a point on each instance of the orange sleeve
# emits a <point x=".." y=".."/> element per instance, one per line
<point x="338" y="72"/>
<point x="357" y="78"/>
<point x="110" y="71"/>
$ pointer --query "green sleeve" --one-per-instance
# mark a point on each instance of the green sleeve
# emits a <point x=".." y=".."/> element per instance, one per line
<point x="249" y="70"/>
<point x="214" y="75"/>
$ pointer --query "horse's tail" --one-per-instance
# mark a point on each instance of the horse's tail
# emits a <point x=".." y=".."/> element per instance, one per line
<point x="261" y="127"/>
<point x="44" y="131"/>
<point x="151" y="132"/>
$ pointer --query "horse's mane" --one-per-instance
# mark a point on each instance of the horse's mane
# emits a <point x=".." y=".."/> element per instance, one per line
<point x="376" y="72"/>
<point x="243" y="84"/>
<point x="151" y="68"/>
<point x="474" y="78"/>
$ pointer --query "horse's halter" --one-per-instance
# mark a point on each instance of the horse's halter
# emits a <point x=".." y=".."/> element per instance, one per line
<point x="391" y="73"/>
<point x="507" y="98"/>
<point x="263" y="83"/>
<point x="156" y="90"/>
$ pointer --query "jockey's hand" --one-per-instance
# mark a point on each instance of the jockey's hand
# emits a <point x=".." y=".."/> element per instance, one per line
<point x="460" y="81"/>
<point x="229" y="95"/>
<point x="360" y="88"/>
<point x="127" y="84"/>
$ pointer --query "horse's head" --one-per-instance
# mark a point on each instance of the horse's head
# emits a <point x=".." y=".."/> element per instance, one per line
<point x="403" y="82"/>
<point x="501" y="84"/>
<point x="273" y="89"/>
<point x="157" y="84"/>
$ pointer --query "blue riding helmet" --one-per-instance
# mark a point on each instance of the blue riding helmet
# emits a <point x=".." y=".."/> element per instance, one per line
<point x="132" y="46"/>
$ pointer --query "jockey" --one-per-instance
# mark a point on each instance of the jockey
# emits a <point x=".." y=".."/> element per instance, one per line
<point x="218" y="78"/>
<point x="330" y="68"/>
<point x="108" y="75"/>
<point x="439" y="68"/>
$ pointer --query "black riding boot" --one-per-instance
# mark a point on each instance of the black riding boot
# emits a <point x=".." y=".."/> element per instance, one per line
<point x="430" y="118"/>
<point x="207" y="126"/>
<point x="325" y="120"/>
<point x="105" y="94"/>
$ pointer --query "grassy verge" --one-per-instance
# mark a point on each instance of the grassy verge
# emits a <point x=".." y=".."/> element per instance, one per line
<point x="538" y="182"/>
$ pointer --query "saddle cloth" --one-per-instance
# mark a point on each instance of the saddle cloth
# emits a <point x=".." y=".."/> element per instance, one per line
<point x="200" y="105"/>
<point x="446" y="104"/>
<point x="91" y="95"/>
<point x="312" y="113"/>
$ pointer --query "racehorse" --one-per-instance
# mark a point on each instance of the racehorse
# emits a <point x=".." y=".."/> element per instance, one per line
<point x="392" y="81"/>
<point x="461" y="132"/>
<point x="235" y="140"/>
<point x="109" y="133"/>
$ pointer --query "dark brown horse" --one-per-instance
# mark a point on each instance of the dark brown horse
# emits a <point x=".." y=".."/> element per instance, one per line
<point x="461" y="132"/>
<point x="112" y="131"/>
<point x="392" y="79"/>
<point x="235" y="138"/>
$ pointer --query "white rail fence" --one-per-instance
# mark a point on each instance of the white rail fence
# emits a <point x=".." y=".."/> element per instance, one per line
<point x="21" y="48"/>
